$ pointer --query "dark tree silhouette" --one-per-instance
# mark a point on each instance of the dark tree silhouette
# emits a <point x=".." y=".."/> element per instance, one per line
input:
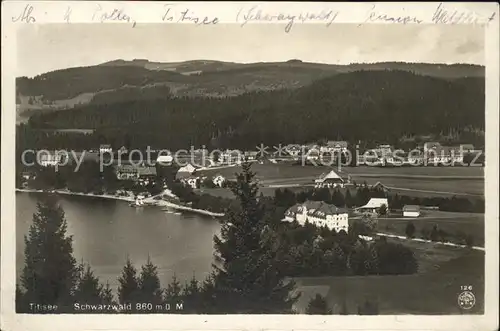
<point x="249" y="279"/>
<point x="128" y="290"/>
<point x="410" y="230"/>
<point x="50" y="272"/>
<point x="149" y="284"/>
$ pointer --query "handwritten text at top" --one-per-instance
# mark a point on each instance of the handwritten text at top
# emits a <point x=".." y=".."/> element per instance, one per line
<point x="256" y="14"/>
<point x="26" y="15"/>
<point x="119" y="15"/>
<point x="176" y="15"/>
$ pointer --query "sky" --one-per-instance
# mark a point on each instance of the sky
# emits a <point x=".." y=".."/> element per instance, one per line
<point x="48" y="47"/>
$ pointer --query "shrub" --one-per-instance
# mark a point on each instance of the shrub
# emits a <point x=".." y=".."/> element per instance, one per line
<point x="410" y="230"/>
<point x="434" y="235"/>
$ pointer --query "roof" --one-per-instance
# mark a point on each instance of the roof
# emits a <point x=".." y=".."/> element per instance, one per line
<point x="126" y="168"/>
<point x="431" y="144"/>
<point x="333" y="175"/>
<point x="105" y="146"/>
<point x="467" y="146"/>
<point x="51" y="156"/>
<point x="189" y="168"/>
<point x="411" y="208"/>
<point x="316" y="209"/>
<point x="337" y="144"/>
<point x="376" y="203"/>
<point x="379" y="184"/>
<point x="146" y="171"/>
<point x="445" y="150"/>
<point x="140" y="170"/>
<point x="165" y="158"/>
<point x="182" y="175"/>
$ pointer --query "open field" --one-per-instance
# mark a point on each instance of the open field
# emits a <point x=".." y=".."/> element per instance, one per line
<point x="468" y="223"/>
<point x="288" y="170"/>
<point x="433" y="292"/>
<point x="422" y="181"/>
<point x="470" y="187"/>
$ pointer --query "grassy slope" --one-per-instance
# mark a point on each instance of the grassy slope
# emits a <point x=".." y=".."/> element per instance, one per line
<point x="286" y="174"/>
<point x="432" y="292"/>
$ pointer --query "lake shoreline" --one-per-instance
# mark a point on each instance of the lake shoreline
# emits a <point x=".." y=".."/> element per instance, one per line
<point x="161" y="203"/>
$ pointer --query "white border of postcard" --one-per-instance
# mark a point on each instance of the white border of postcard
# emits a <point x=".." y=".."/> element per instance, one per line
<point x="151" y="12"/>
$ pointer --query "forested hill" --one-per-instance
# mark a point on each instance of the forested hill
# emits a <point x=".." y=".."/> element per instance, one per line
<point x="201" y="78"/>
<point x="366" y="105"/>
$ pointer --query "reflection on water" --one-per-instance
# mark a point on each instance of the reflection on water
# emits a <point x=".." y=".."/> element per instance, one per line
<point x="106" y="232"/>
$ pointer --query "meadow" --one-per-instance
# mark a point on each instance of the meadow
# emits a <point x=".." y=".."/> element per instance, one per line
<point x="415" y="181"/>
<point x="433" y="291"/>
<point x="451" y="223"/>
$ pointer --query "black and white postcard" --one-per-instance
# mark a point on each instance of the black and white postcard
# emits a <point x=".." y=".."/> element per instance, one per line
<point x="249" y="166"/>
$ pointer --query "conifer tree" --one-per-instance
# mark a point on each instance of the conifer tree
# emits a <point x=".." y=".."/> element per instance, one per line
<point x="128" y="290"/>
<point x="149" y="284"/>
<point x="410" y="230"/>
<point x="173" y="291"/>
<point x="348" y="199"/>
<point x="50" y="271"/>
<point x="249" y="279"/>
<point x="88" y="289"/>
<point x="192" y="295"/>
<point x="107" y="295"/>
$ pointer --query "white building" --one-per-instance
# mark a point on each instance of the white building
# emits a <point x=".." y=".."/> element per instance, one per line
<point x="445" y="155"/>
<point x="319" y="214"/>
<point x="337" y="146"/>
<point x="411" y="211"/>
<point x="373" y="205"/>
<point x="122" y="150"/>
<point x="50" y="159"/>
<point x="332" y="179"/>
<point x="105" y="148"/>
<point x="164" y="159"/>
<point x="219" y="180"/>
<point x="293" y="150"/>
<point x="191" y="181"/>
<point x="231" y="156"/>
<point x="188" y="168"/>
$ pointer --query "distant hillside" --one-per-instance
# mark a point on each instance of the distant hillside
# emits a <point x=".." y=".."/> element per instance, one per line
<point x="373" y="105"/>
<point x="435" y="70"/>
<point x="201" y="78"/>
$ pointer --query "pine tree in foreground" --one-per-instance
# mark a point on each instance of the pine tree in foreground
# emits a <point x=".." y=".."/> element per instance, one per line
<point x="88" y="290"/>
<point x="149" y="284"/>
<point x="107" y="295"/>
<point x="128" y="290"/>
<point x="249" y="279"/>
<point x="173" y="291"/>
<point x="50" y="272"/>
<point x="192" y="295"/>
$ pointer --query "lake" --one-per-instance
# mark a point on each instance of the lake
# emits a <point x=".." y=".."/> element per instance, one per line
<point x="106" y="232"/>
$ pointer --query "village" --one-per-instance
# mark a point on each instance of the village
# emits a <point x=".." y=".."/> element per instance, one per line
<point x="326" y="166"/>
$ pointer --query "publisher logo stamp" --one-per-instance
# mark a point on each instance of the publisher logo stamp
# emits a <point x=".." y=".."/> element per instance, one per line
<point x="466" y="300"/>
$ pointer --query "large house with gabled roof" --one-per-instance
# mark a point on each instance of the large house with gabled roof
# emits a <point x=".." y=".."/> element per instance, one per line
<point x="334" y="178"/>
<point x="320" y="214"/>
